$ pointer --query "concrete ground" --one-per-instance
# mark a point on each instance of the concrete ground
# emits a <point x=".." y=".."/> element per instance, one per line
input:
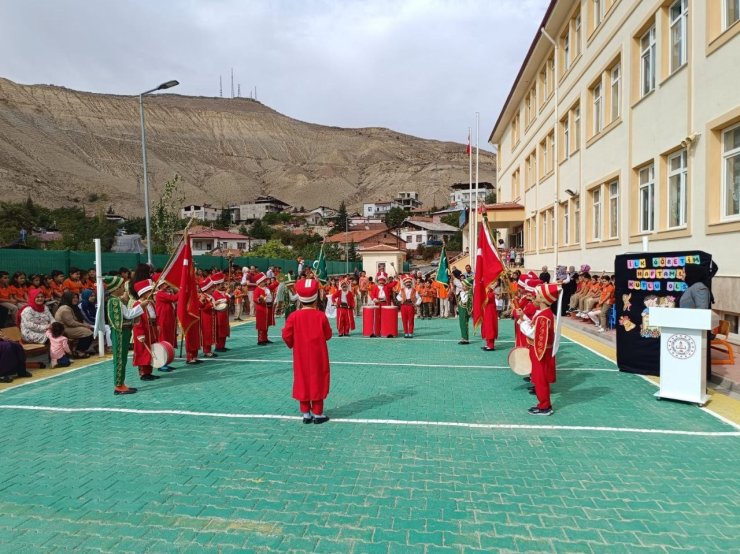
<point x="430" y="449"/>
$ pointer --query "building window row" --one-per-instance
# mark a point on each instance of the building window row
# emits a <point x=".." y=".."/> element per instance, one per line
<point x="570" y="132"/>
<point x="606" y="98"/>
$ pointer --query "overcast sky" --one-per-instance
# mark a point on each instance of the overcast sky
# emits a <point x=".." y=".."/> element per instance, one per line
<point x="422" y="67"/>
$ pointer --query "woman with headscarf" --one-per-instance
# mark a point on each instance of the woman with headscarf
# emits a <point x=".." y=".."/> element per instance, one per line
<point x="89" y="310"/>
<point x="569" y="282"/>
<point x="35" y="318"/>
<point x="75" y="328"/>
<point x="697" y="296"/>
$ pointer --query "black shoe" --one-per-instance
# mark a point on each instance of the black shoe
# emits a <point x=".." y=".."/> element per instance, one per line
<point x="531" y="391"/>
<point x="263" y="343"/>
<point x="464" y="342"/>
<point x="307" y="420"/>
<point x="24" y="374"/>
<point x="6" y="379"/>
<point x="149" y="377"/>
<point x="527" y="379"/>
<point x="319" y="419"/>
<point x="221" y="349"/>
<point x="269" y="342"/>
<point x="487" y="349"/>
<point x="534" y="410"/>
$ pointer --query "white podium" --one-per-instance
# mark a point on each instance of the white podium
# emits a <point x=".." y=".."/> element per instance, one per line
<point x="683" y="352"/>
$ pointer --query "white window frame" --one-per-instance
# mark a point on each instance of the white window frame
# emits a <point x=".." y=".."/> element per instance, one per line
<point x="578" y="34"/>
<point x="726" y="22"/>
<point x="613" y="189"/>
<point x="566" y="224"/>
<point x="598" y="108"/>
<point x="616" y="86"/>
<point x="544" y="229"/>
<point x="577" y="126"/>
<point x="566" y="137"/>
<point x="566" y="51"/>
<point x="550" y="143"/>
<point x="727" y="155"/>
<point x="577" y="219"/>
<point x="647" y="61"/>
<point x="596" y="204"/>
<point x="678" y="33"/>
<point x="647" y="185"/>
<point x="679" y="176"/>
<point x="598" y="6"/>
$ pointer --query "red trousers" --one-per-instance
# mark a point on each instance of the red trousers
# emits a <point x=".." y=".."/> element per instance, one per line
<point x="344" y="315"/>
<point x="490" y="343"/>
<point x="261" y="335"/>
<point x="220" y="342"/>
<point x="407" y="318"/>
<point x="543" y="373"/>
<point x="314" y="406"/>
<point x="145" y="370"/>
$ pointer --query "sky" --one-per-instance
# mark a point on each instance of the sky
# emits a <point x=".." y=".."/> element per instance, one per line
<point x="421" y="67"/>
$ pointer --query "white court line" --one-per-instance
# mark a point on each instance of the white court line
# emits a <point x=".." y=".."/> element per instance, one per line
<point x="42" y="379"/>
<point x="395" y="364"/>
<point x="416" y="423"/>
<point x="569" y="342"/>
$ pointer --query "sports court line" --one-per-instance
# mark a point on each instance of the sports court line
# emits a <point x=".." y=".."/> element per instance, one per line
<point x="395" y="364"/>
<point x="42" y="379"/>
<point x="569" y="342"/>
<point x="414" y="423"/>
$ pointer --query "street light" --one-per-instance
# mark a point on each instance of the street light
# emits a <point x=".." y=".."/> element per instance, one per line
<point x="163" y="86"/>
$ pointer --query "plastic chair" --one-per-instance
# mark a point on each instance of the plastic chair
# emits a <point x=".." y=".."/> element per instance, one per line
<point x="722" y="345"/>
<point x="612" y="317"/>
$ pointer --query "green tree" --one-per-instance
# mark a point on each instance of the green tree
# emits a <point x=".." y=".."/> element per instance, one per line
<point x="259" y="230"/>
<point x="352" y="252"/>
<point x="272" y="249"/>
<point x="165" y="221"/>
<point x="274" y="218"/>
<point x="135" y="226"/>
<point x="224" y="219"/>
<point x="491" y="197"/>
<point x="452" y="219"/>
<point x="395" y="217"/>
<point x="342" y="220"/>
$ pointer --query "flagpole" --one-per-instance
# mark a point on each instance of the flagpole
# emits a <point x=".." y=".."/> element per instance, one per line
<point x="477" y="150"/>
<point x="471" y="222"/>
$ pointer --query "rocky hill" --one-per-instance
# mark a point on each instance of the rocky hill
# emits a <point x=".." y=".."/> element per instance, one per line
<point x="61" y="146"/>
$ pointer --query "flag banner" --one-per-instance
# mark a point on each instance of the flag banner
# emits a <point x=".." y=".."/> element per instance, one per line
<point x="468" y="150"/>
<point x="188" y="308"/>
<point x="442" y="269"/>
<point x="488" y="267"/>
<point x="319" y="268"/>
<point x="172" y="273"/>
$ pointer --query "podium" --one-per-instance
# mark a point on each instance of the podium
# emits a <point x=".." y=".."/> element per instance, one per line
<point x="683" y="353"/>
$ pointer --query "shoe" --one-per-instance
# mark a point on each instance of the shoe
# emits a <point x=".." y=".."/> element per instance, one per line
<point x="149" y="377"/>
<point x="210" y="355"/>
<point x="263" y="343"/>
<point x="531" y="391"/>
<point x="534" y="410"/>
<point x="6" y="379"/>
<point x="527" y="379"/>
<point x="487" y="349"/>
<point x="319" y="419"/>
<point x="464" y="342"/>
<point x="269" y="342"/>
<point x="23" y="375"/>
<point x="307" y="419"/>
<point x="222" y="349"/>
<point x="129" y="390"/>
<point x="165" y="369"/>
<point x="601" y="329"/>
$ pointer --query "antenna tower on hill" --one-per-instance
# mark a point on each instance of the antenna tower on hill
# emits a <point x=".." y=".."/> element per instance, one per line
<point x="232" y="82"/>
<point x="220" y="86"/>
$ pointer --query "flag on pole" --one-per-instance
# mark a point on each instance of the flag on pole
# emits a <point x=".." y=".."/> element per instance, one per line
<point x="180" y="273"/>
<point x="468" y="151"/>
<point x="319" y="267"/>
<point x="488" y="267"/>
<point x="443" y="268"/>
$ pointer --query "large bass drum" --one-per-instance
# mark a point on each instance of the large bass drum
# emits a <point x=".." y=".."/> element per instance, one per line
<point x="162" y="354"/>
<point x="519" y="361"/>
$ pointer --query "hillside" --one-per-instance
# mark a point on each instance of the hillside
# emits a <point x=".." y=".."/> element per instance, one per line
<point x="59" y="146"/>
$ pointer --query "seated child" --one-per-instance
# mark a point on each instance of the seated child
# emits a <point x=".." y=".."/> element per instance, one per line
<point x="59" y="345"/>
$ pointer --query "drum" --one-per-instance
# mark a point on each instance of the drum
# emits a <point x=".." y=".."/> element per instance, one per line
<point x="162" y="354"/>
<point x="221" y="305"/>
<point x="519" y="361"/>
<point x="370" y="320"/>
<point x="389" y="321"/>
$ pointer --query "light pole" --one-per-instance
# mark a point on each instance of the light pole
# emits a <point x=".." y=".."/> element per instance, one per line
<point x="556" y="134"/>
<point x="168" y="84"/>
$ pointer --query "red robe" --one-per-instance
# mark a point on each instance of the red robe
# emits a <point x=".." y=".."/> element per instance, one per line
<point x="207" y="323"/>
<point x="409" y="299"/>
<point x="345" y="311"/>
<point x="144" y="334"/>
<point x="489" y="329"/>
<point x="388" y="289"/>
<point x="262" y="307"/>
<point x="540" y="354"/>
<point x="274" y="286"/>
<point x="223" y="329"/>
<point x="306" y="332"/>
<point x="166" y="321"/>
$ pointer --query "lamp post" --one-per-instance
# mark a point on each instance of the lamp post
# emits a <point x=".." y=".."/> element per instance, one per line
<point x="556" y="208"/>
<point x="163" y="86"/>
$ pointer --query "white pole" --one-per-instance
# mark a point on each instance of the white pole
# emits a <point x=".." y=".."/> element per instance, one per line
<point x="556" y="165"/>
<point x="100" y="313"/>
<point x="477" y="188"/>
<point x="471" y="222"/>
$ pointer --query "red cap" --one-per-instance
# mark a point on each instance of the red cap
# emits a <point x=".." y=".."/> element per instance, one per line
<point x="206" y="284"/>
<point x="142" y="287"/>
<point x="217" y="278"/>
<point x="381" y="275"/>
<point x="548" y="293"/>
<point x="307" y="290"/>
<point x="259" y="278"/>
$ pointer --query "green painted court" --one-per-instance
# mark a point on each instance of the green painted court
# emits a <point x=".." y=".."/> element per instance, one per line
<point x="430" y="448"/>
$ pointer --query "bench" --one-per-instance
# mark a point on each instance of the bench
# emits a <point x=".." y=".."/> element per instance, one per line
<point x="31" y="350"/>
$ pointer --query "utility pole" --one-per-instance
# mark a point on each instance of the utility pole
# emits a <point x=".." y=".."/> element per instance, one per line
<point x="232" y="82"/>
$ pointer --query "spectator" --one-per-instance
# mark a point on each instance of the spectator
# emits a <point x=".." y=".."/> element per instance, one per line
<point x="519" y="258"/>
<point x="19" y="287"/>
<point x="512" y="256"/>
<point x="58" y="345"/>
<point x="590" y="299"/>
<point x="606" y="299"/>
<point x="35" y="318"/>
<point x="73" y="282"/>
<point x="7" y="299"/>
<point x="697" y="296"/>
<point x="75" y="328"/>
<point x="468" y="272"/>
<point x="12" y="360"/>
<point x="545" y="275"/>
<point x="569" y="284"/>
<point x="89" y="310"/>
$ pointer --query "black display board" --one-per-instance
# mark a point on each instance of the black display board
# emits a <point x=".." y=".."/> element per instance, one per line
<point x="644" y="280"/>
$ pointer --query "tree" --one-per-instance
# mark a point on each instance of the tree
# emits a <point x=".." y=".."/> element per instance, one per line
<point x="395" y="217"/>
<point x="352" y="252"/>
<point x="342" y="218"/>
<point x="452" y="219"/>
<point x="272" y="249"/>
<point x="165" y="221"/>
<point x="259" y="230"/>
<point x="224" y="219"/>
<point x="491" y="197"/>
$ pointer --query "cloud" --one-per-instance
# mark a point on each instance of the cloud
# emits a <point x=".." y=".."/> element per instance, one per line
<point x="422" y="67"/>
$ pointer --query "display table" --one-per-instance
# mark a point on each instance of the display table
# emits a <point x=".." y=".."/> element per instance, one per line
<point x="683" y="353"/>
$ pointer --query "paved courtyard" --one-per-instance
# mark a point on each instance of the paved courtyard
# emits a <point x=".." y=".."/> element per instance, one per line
<point x="430" y="449"/>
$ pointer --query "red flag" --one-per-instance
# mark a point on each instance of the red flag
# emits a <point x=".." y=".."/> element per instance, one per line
<point x="468" y="151"/>
<point x="488" y="267"/>
<point x="188" y="309"/>
<point x="172" y="273"/>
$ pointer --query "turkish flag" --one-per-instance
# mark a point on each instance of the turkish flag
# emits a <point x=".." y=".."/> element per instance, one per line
<point x="488" y="267"/>
<point x="180" y="273"/>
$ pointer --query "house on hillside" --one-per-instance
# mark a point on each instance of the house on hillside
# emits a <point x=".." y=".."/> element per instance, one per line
<point x="325" y="213"/>
<point x="368" y="238"/>
<point x="409" y="200"/>
<point x="379" y="209"/>
<point x="416" y="231"/>
<point x="261" y="206"/>
<point x="461" y="197"/>
<point x="202" y="212"/>
<point x="205" y="241"/>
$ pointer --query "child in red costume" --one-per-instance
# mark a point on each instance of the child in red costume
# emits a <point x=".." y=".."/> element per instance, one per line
<point x="344" y="300"/>
<point x="409" y="299"/>
<point x="164" y="305"/>
<point x="207" y="319"/>
<point x="263" y="301"/>
<point x="540" y="333"/>
<point x="145" y="330"/>
<point x="306" y="331"/>
<point x="221" y="311"/>
<point x="489" y="328"/>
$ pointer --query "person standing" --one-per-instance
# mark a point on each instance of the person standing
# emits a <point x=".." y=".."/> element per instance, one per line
<point x="489" y="327"/>
<point x="290" y="298"/>
<point x="306" y="332"/>
<point x="345" y="305"/>
<point x="263" y="301"/>
<point x="121" y="320"/>
<point x="409" y="299"/>
<point x="207" y="319"/>
<point x="220" y="311"/>
<point x="363" y="285"/>
<point x="464" y="309"/>
<point x="145" y="330"/>
<point x="164" y="307"/>
<point x="544" y="275"/>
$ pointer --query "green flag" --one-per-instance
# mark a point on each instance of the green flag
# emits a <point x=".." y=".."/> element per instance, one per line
<point x="319" y="267"/>
<point x="442" y="275"/>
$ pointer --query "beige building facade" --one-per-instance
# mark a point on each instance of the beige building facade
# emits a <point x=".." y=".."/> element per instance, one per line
<point x="627" y="128"/>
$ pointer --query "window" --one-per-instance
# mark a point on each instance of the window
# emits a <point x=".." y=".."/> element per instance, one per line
<point x="615" y="90"/>
<point x="566" y="137"/>
<point x="515" y="184"/>
<point x="578" y="34"/>
<point x="731" y="172"/>
<point x="566" y="51"/>
<point x="577" y="220"/>
<point x="598" y="113"/>
<point x="577" y="127"/>
<point x="613" y="209"/>
<point x="543" y="158"/>
<point x="677" y="189"/>
<point x="598" y="12"/>
<point x="544" y="229"/>
<point x="566" y="224"/>
<point x="596" y="207"/>
<point x="418" y="238"/>
<point x="647" y="198"/>
<point x="551" y="146"/>
<point x="678" y="15"/>
<point x="647" y="62"/>
<point x="732" y="13"/>
<point x="544" y="92"/>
